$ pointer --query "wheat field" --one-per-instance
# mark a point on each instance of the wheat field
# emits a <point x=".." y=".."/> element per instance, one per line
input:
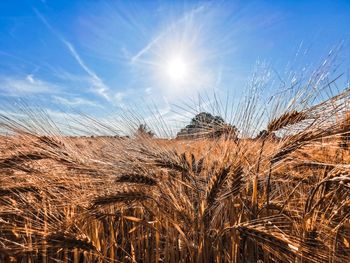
<point x="141" y="199"/>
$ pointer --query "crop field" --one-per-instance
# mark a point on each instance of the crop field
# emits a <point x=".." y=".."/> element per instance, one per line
<point x="270" y="198"/>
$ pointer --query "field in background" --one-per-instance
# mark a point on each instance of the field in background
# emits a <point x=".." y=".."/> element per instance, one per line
<point x="104" y="199"/>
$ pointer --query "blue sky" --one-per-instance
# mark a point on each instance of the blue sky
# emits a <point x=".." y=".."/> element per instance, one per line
<point x="100" y="56"/>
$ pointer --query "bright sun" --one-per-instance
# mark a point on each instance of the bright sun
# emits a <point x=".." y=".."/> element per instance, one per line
<point x="177" y="69"/>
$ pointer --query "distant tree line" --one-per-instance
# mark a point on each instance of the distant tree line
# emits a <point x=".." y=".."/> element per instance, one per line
<point x="205" y="125"/>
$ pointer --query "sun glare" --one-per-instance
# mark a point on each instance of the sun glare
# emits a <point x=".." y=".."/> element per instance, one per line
<point x="177" y="69"/>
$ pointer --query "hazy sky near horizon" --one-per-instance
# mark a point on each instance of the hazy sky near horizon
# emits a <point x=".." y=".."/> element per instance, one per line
<point x="96" y="56"/>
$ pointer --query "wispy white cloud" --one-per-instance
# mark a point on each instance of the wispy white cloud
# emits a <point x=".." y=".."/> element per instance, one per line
<point x="77" y="101"/>
<point x="97" y="84"/>
<point x="26" y="85"/>
<point x="147" y="47"/>
<point x="148" y="91"/>
<point x="119" y="96"/>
